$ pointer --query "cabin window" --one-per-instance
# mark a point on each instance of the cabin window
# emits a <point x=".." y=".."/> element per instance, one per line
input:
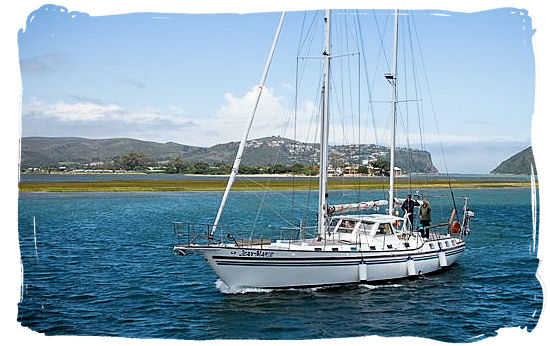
<point x="372" y="247"/>
<point x="384" y="229"/>
<point x="333" y="224"/>
<point x="390" y="246"/>
<point x="334" y="249"/>
<point x="353" y="249"/>
<point x="317" y="249"/>
<point x="407" y="245"/>
<point x="398" y="225"/>
<point x="347" y="226"/>
<point x="446" y="243"/>
<point x="431" y="246"/>
<point x="366" y="226"/>
<point x="441" y="246"/>
<point x="454" y="242"/>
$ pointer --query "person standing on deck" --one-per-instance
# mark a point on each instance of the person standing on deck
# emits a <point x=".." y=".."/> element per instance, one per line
<point x="408" y="208"/>
<point x="425" y="217"/>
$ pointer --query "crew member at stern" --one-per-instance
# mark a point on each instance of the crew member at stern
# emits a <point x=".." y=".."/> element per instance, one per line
<point x="408" y="208"/>
<point x="425" y="217"/>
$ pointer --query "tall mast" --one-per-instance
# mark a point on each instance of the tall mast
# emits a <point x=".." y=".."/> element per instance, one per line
<point x="238" y="157"/>
<point x="393" y="80"/>
<point x="322" y="213"/>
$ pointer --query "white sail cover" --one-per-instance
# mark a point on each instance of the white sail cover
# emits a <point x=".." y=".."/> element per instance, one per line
<point x="343" y="208"/>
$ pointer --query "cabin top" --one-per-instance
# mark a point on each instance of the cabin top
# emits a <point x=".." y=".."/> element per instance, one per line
<point x="371" y="224"/>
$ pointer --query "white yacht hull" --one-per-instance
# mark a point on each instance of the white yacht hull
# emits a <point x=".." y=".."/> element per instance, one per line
<point x="277" y="268"/>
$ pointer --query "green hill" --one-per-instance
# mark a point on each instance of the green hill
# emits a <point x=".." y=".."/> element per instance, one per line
<point x="51" y="151"/>
<point x="520" y="163"/>
<point x="55" y="151"/>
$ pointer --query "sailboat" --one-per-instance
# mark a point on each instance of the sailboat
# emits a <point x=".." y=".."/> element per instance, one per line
<point x="347" y="248"/>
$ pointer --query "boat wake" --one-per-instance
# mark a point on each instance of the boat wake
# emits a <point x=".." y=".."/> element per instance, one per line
<point x="375" y="287"/>
<point x="223" y="288"/>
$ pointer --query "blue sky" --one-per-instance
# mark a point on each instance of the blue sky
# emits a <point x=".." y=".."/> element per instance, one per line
<point x="190" y="79"/>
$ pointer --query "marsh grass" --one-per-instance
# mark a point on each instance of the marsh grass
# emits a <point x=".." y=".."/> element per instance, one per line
<point x="251" y="184"/>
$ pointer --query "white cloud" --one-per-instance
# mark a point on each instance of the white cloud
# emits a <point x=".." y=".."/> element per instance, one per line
<point x="89" y="111"/>
<point x="273" y="117"/>
<point x="81" y="111"/>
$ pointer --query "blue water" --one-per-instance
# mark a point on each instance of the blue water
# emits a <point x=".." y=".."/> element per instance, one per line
<point x="105" y="267"/>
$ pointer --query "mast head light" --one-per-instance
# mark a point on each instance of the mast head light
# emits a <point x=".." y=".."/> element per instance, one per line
<point x="389" y="76"/>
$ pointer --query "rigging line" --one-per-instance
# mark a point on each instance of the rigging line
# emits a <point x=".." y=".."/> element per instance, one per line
<point x="262" y="200"/>
<point x="359" y="116"/>
<point x="272" y="166"/>
<point x="311" y="27"/>
<point x="349" y="69"/>
<point x="339" y="112"/>
<point x="358" y="32"/>
<point x="294" y="143"/>
<point x="274" y="211"/>
<point x="434" y="115"/>
<point x="267" y="187"/>
<point x="314" y="118"/>
<point x="416" y="89"/>
<point x="240" y="150"/>
<point x="416" y="92"/>
<point x="302" y="32"/>
<point x="341" y="64"/>
<point x="264" y="194"/>
<point x="407" y="129"/>
<point x="381" y="38"/>
<point x="352" y="108"/>
<point x="295" y="114"/>
<point x="283" y="132"/>
<point x="381" y="49"/>
<point x="317" y="126"/>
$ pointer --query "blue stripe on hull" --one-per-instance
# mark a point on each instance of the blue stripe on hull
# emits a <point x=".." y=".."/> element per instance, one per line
<point x="269" y="262"/>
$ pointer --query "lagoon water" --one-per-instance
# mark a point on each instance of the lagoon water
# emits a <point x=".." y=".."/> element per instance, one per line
<point x="103" y="265"/>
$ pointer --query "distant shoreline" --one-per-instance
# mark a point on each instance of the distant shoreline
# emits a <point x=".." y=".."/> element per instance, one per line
<point x="252" y="184"/>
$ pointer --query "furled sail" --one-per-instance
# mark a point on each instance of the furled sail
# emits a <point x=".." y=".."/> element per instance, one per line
<point x="343" y="208"/>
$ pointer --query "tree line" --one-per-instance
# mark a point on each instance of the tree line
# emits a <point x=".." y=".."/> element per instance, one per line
<point x="140" y="162"/>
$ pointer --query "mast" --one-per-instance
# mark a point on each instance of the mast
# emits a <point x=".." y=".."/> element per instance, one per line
<point x="323" y="164"/>
<point x="242" y="144"/>
<point x="393" y="80"/>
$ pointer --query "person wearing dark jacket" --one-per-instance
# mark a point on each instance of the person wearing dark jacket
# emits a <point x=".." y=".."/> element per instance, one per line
<point x="408" y="208"/>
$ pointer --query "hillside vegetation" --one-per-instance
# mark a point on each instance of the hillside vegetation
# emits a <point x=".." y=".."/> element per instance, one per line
<point x="519" y="163"/>
<point x="73" y="151"/>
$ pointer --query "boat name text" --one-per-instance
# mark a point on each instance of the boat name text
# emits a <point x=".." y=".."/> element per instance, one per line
<point x="257" y="253"/>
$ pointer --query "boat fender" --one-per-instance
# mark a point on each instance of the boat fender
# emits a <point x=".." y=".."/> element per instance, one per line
<point x="455" y="228"/>
<point x="442" y="259"/>
<point x="411" y="269"/>
<point x="362" y="271"/>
